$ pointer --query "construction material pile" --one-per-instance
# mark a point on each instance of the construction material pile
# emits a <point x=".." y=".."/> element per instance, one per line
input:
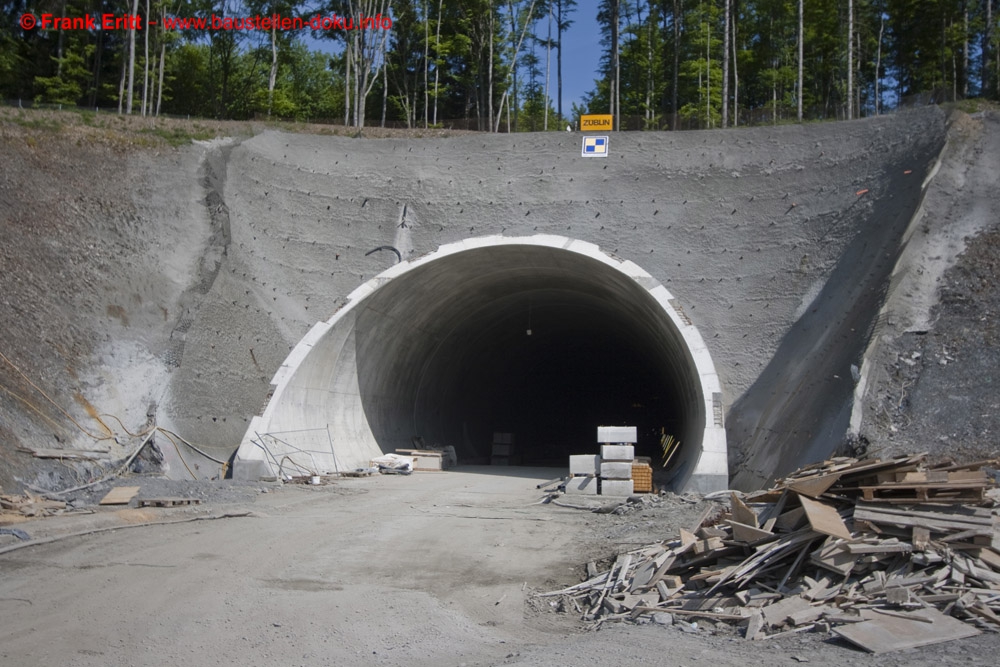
<point x="16" y="508"/>
<point x="886" y="554"/>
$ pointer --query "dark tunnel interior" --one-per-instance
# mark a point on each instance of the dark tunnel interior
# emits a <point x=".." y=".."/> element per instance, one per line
<point x="579" y="368"/>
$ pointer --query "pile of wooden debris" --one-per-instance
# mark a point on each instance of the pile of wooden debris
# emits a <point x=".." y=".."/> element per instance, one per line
<point x="886" y="554"/>
<point x="14" y="509"/>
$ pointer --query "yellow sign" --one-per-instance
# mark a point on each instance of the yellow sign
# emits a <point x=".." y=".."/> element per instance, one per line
<point x="597" y="123"/>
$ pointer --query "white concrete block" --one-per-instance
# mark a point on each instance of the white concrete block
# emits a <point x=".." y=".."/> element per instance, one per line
<point x="616" y="470"/>
<point x="617" y="452"/>
<point x="616" y="487"/>
<point x="584" y="464"/>
<point x="616" y="434"/>
<point x="586" y="486"/>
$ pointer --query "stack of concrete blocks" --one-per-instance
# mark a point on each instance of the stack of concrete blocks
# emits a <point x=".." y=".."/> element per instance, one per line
<point x="617" y="456"/>
<point x="583" y="473"/>
<point x="503" y="449"/>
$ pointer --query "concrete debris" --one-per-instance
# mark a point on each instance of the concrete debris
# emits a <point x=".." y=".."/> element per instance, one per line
<point x="19" y="534"/>
<point x="393" y="462"/>
<point x="866" y="549"/>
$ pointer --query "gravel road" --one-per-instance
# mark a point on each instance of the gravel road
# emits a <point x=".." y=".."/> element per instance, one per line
<point x="431" y="569"/>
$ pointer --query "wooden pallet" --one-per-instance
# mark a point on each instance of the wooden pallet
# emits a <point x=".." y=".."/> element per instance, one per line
<point x="913" y="493"/>
<point x="168" y="502"/>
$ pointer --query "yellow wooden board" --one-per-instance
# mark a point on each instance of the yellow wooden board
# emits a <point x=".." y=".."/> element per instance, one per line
<point x="120" y="495"/>
<point x="597" y="123"/>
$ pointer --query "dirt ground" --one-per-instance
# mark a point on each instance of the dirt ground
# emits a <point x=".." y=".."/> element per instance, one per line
<point x="431" y="569"/>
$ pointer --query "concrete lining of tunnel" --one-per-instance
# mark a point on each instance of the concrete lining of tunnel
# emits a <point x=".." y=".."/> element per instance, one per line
<point x="416" y="349"/>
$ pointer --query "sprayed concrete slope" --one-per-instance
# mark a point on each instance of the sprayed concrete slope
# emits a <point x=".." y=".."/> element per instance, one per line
<point x="775" y="246"/>
<point x="761" y="235"/>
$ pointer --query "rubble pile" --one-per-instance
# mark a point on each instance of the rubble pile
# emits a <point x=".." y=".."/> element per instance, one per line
<point x="886" y="554"/>
<point x="15" y="508"/>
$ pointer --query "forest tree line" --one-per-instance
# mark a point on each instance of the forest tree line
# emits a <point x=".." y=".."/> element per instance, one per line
<point x="497" y="65"/>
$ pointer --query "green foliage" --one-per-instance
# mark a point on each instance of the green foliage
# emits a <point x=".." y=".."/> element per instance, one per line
<point x="67" y="86"/>
<point x="458" y="59"/>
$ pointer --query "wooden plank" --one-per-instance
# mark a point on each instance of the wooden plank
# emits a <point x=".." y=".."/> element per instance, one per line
<point x="865" y="512"/>
<point x="809" y="614"/>
<point x="755" y="625"/>
<point x="663" y="590"/>
<point x="685" y="612"/>
<point x="790" y="520"/>
<point x="626" y="561"/>
<point x="833" y="557"/>
<point x="971" y="466"/>
<point x="78" y="454"/>
<point x="777" y="613"/>
<point x="906" y="486"/>
<point x="742" y="513"/>
<point x="824" y="518"/>
<point x="870" y="467"/>
<point x="921" y="538"/>
<point x="708" y="546"/>
<point x="643" y="575"/>
<point x="980" y="609"/>
<point x="991" y="558"/>
<point x="964" y="475"/>
<point x="706" y="532"/>
<point x="120" y="495"/>
<point x="816" y="486"/>
<point x="962" y="513"/>
<point x="745" y="533"/>
<point x="882" y="633"/>
<point x="881" y="548"/>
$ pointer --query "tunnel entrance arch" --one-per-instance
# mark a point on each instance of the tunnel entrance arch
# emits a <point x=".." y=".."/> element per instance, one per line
<point x="544" y="337"/>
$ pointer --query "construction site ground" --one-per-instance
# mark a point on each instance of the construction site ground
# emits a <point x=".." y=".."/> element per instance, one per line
<point x="431" y="569"/>
<point x="427" y="569"/>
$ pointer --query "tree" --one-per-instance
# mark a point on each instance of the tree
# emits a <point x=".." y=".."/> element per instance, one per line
<point x="850" y="59"/>
<point x="676" y="21"/>
<point x="986" y="45"/>
<point x="131" y="61"/>
<point x="801" y="46"/>
<point x="67" y="85"/>
<point x="563" y="9"/>
<point x="615" y="74"/>
<point x="520" y="19"/>
<point x="725" y="67"/>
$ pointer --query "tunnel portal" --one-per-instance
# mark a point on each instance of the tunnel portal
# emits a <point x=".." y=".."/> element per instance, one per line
<point x="541" y="337"/>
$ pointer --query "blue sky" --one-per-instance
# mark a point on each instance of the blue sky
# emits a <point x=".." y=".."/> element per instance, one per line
<point x="581" y="55"/>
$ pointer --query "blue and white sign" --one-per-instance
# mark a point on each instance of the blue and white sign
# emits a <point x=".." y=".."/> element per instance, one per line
<point x="595" y="147"/>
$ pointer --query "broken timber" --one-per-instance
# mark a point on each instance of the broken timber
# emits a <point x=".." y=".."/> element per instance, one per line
<point x="890" y="554"/>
